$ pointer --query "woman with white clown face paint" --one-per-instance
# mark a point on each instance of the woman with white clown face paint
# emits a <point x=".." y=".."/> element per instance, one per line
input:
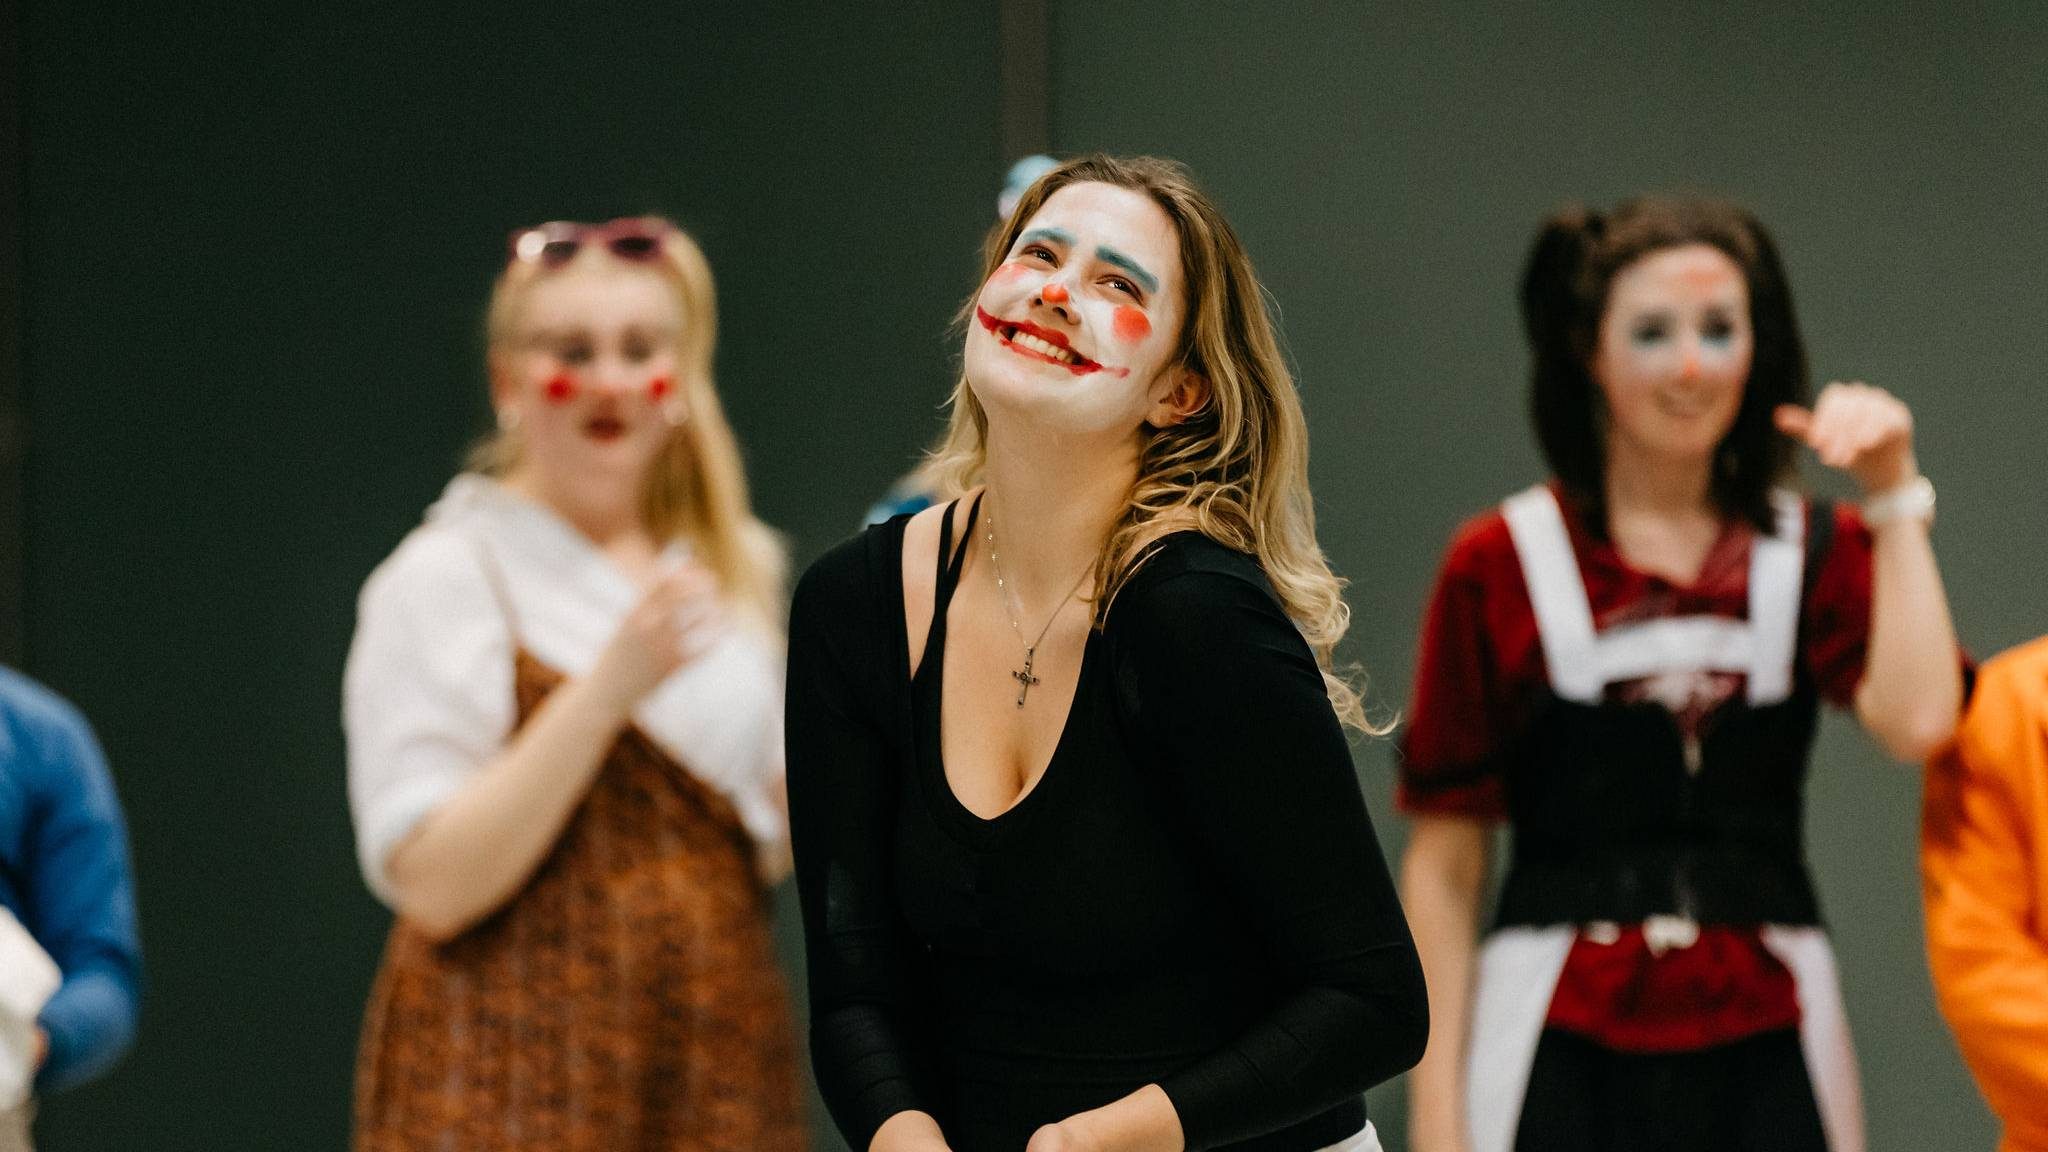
<point x="1626" y="665"/>
<point x="1084" y="864"/>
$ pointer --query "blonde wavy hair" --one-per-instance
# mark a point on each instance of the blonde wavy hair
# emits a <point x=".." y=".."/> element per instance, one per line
<point x="1236" y="470"/>
<point x="696" y="490"/>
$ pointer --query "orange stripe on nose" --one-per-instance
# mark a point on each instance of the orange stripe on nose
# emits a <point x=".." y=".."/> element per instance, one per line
<point x="1054" y="294"/>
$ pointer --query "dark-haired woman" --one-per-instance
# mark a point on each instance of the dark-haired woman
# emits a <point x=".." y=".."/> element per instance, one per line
<point x="1626" y="664"/>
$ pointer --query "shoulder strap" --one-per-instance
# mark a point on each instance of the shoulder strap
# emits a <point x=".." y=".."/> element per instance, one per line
<point x="952" y="560"/>
<point x="1776" y="590"/>
<point x="1820" y="536"/>
<point x="1557" y="593"/>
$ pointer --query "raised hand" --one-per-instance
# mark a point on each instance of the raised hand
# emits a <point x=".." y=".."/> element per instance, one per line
<point x="1860" y="429"/>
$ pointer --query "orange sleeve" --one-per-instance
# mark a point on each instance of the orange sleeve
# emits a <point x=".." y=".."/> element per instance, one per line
<point x="1984" y="825"/>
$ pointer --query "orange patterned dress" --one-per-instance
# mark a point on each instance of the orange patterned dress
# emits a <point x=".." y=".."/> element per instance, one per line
<point x="626" y="999"/>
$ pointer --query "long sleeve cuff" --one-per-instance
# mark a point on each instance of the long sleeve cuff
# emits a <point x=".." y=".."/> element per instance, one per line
<point x="90" y="1023"/>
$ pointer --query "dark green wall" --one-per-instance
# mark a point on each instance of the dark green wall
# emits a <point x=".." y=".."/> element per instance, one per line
<point x="259" y="242"/>
<point x="259" y="246"/>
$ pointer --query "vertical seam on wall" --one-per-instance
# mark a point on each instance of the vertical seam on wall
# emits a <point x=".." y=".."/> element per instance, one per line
<point x="1024" y="65"/>
<point x="13" y="409"/>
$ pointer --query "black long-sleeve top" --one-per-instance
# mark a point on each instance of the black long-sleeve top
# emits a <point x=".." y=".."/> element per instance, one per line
<point x="1192" y="895"/>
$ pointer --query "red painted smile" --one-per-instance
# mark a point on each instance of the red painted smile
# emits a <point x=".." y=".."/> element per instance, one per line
<point x="1028" y="339"/>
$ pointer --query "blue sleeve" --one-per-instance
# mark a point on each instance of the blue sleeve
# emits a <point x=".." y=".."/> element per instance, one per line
<point x="80" y="899"/>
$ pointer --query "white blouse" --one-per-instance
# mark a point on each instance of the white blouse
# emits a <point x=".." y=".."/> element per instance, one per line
<point x="427" y="696"/>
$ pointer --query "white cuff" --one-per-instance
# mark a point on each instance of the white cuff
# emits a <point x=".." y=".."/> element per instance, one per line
<point x="1913" y="500"/>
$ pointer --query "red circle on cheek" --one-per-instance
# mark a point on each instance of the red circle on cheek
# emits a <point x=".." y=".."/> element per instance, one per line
<point x="659" y="388"/>
<point x="561" y="388"/>
<point x="1131" y="324"/>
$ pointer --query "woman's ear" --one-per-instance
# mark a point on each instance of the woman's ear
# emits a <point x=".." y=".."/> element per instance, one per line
<point x="504" y="394"/>
<point x="500" y="375"/>
<point x="1186" y="394"/>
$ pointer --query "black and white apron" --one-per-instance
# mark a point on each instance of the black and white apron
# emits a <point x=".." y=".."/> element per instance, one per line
<point x="1619" y="818"/>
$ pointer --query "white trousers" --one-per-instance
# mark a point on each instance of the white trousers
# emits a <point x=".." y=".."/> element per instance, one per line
<point x="1367" y="1140"/>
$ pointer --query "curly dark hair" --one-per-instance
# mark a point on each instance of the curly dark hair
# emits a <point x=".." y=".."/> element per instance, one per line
<point x="1577" y="254"/>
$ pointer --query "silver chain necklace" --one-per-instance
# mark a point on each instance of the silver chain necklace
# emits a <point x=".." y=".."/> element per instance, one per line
<point x="1023" y="675"/>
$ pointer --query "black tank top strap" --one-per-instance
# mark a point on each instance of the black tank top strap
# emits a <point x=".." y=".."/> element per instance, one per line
<point x="951" y="560"/>
<point x="1820" y="536"/>
<point x="944" y="554"/>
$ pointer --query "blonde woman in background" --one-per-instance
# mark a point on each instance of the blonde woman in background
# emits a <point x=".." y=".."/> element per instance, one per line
<point x="563" y="714"/>
<point x="1083" y="859"/>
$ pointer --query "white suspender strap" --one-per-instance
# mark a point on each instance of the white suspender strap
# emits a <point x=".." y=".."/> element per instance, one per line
<point x="1777" y="579"/>
<point x="1582" y="662"/>
<point x="1564" y="620"/>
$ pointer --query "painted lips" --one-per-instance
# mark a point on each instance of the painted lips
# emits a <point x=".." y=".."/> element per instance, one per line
<point x="1684" y="406"/>
<point x="1028" y="339"/>
<point x="604" y="429"/>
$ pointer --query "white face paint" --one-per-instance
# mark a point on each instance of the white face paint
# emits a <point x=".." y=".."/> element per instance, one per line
<point x="1674" y="352"/>
<point x="1078" y="327"/>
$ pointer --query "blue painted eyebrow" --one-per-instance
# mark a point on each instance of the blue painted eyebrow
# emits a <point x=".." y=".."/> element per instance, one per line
<point x="1124" y="262"/>
<point x="1052" y="234"/>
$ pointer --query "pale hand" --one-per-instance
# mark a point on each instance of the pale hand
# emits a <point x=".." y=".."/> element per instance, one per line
<point x="1144" y="1121"/>
<point x="1056" y="1138"/>
<point x="909" y="1132"/>
<point x="678" y="620"/>
<point x="1860" y="429"/>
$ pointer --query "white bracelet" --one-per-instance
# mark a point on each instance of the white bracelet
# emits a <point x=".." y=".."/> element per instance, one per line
<point x="1912" y="500"/>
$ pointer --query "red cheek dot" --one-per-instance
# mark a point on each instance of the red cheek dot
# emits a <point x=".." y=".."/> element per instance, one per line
<point x="1131" y="324"/>
<point x="659" y="388"/>
<point x="561" y="389"/>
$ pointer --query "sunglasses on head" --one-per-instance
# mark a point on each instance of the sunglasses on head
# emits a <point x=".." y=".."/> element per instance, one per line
<point x="555" y="243"/>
